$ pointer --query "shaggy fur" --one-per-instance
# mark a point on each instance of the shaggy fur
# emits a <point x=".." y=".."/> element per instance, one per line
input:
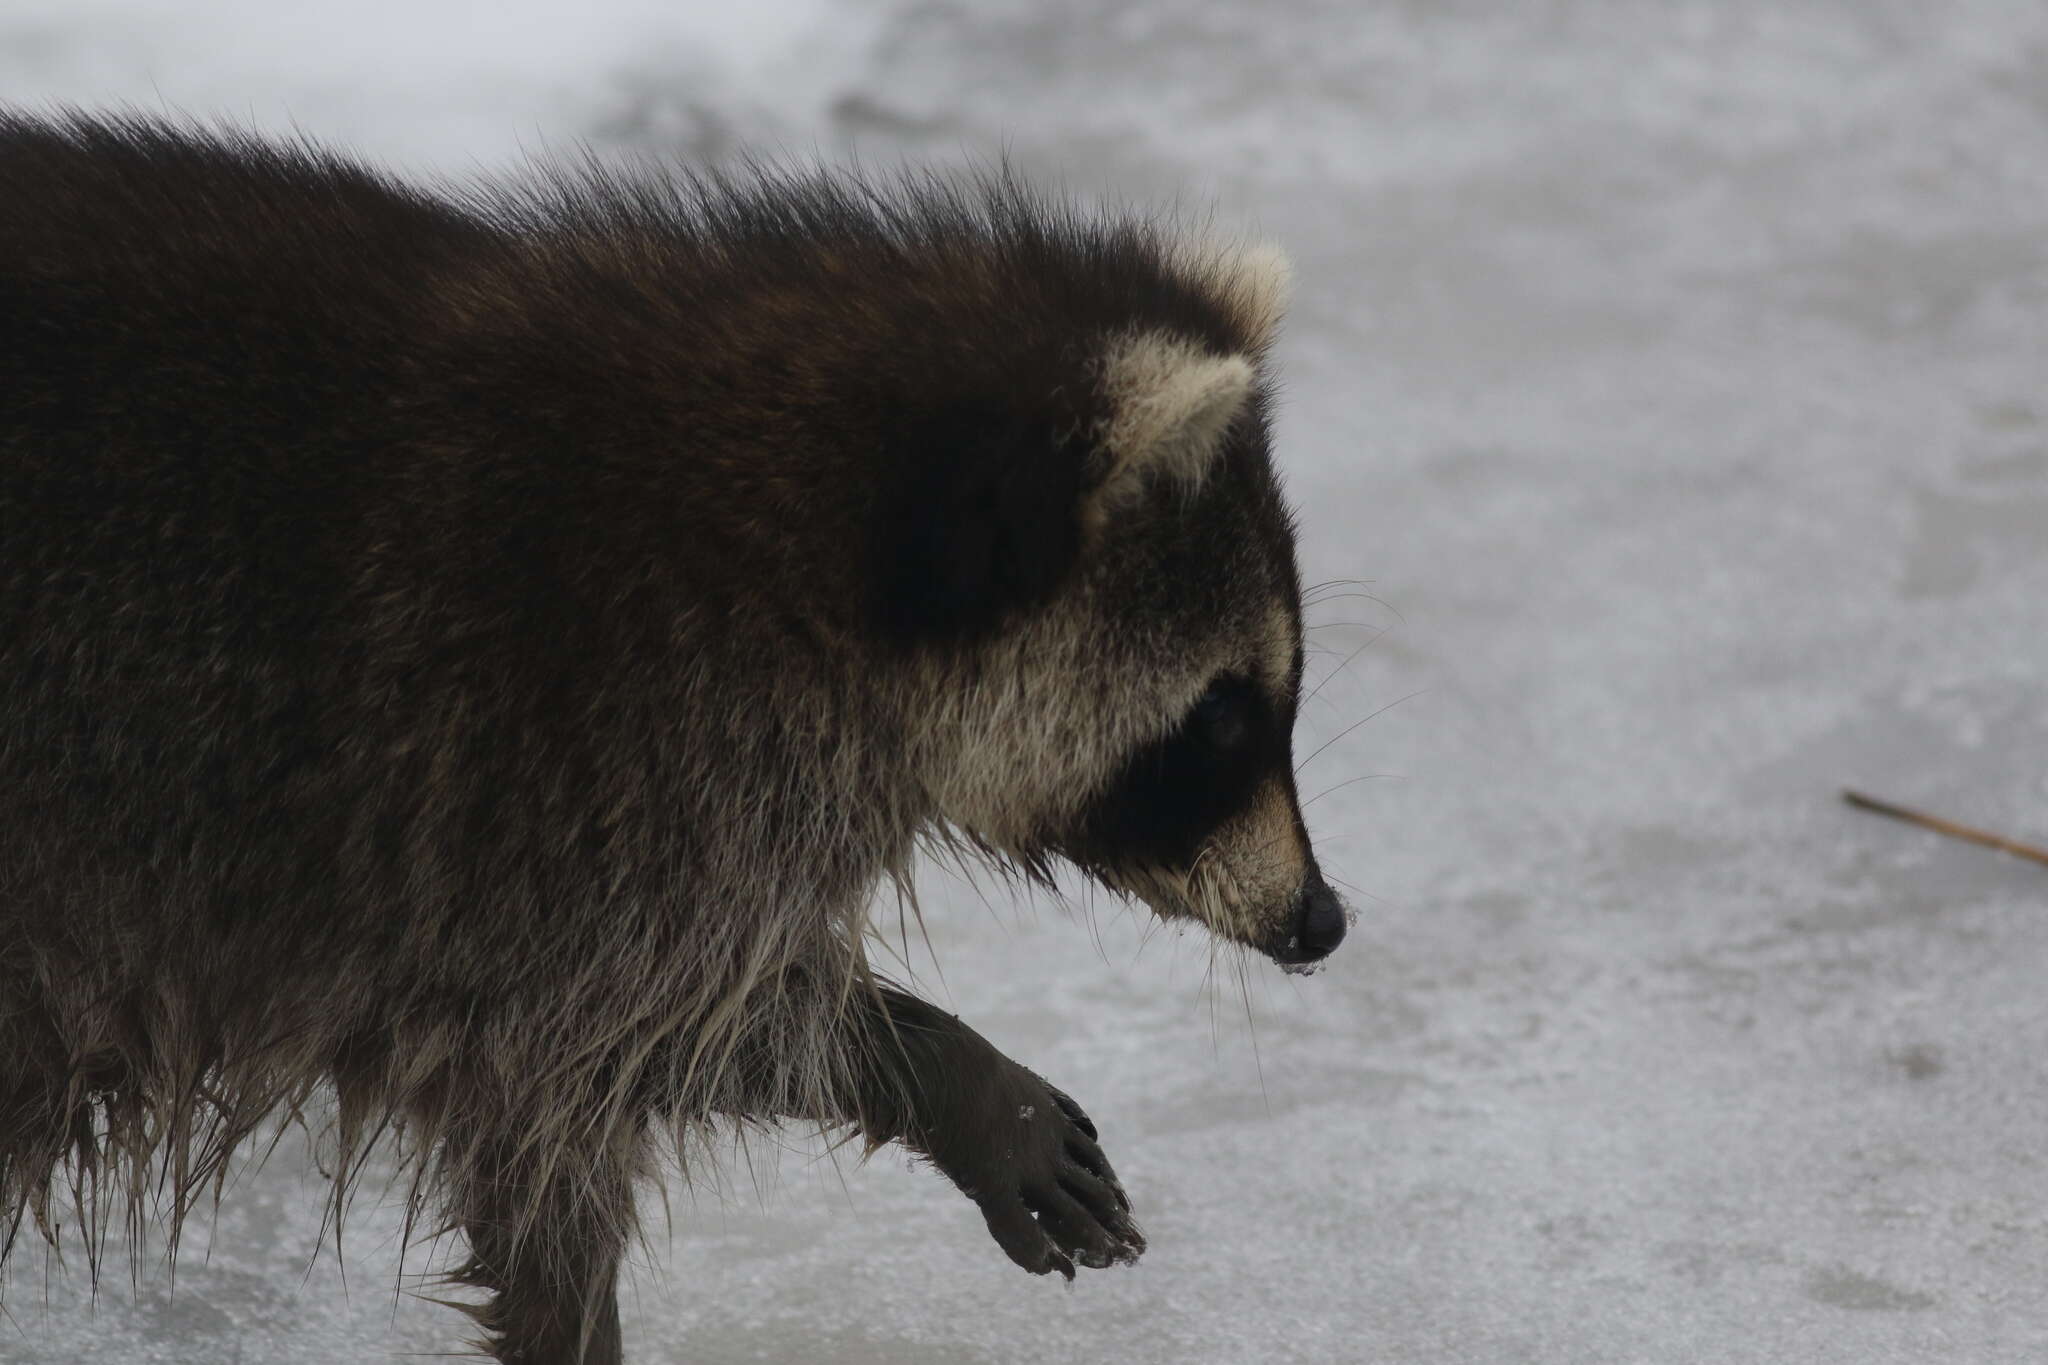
<point x="481" y="650"/>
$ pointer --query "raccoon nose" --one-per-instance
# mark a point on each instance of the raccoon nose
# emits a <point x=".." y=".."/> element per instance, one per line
<point x="1318" y="926"/>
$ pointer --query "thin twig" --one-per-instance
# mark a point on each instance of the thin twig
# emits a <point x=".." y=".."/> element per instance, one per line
<point x="1948" y="827"/>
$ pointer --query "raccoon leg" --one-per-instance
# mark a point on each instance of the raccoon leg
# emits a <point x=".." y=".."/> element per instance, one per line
<point x="1020" y="1149"/>
<point x="545" y="1238"/>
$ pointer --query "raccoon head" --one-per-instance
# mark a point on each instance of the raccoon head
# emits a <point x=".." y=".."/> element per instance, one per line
<point x="1128" y="699"/>
<point x="1197" y="815"/>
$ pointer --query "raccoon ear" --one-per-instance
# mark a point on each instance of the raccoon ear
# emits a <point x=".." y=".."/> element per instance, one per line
<point x="1171" y="404"/>
<point x="1252" y="280"/>
<point x="985" y="523"/>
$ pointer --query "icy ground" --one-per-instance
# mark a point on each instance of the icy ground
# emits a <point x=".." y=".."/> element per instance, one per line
<point x="1674" y="376"/>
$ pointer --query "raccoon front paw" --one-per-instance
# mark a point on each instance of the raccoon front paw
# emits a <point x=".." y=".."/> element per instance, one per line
<point x="1048" y="1193"/>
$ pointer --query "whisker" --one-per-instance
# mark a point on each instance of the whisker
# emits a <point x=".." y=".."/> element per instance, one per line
<point x="1354" y="725"/>
<point x="1312" y="589"/>
<point x="1342" y="785"/>
<point x="1349" y="659"/>
<point x="1345" y="597"/>
<point x="1311" y="596"/>
<point x="1209" y="999"/>
<point x="1252" y="1030"/>
<point x="1354" y="888"/>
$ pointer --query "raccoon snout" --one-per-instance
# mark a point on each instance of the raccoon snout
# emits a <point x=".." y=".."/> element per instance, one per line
<point x="1316" y="928"/>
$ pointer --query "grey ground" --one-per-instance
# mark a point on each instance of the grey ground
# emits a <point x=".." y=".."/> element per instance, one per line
<point x="1673" y="376"/>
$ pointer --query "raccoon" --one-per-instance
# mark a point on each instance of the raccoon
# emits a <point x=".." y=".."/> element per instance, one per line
<point x="470" y="655"/>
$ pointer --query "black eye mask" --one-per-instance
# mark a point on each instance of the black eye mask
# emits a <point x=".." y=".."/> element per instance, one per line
<point x="1176" y="790"/>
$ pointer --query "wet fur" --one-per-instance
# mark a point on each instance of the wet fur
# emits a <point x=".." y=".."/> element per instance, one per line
<point x="481" y="650"/>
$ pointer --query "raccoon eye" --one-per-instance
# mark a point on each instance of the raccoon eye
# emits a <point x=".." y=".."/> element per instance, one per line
<point x="1221" y="720"/>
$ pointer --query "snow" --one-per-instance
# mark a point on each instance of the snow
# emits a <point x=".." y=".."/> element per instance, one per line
<point x="1670" y="379"/>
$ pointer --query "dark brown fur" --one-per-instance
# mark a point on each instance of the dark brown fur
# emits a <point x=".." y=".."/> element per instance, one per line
<point x="480" y="652"/>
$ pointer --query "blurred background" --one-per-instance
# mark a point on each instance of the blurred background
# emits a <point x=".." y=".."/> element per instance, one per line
<point x="1669" y="379"/>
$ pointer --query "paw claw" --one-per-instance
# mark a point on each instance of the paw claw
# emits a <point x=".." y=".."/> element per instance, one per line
<point x="1074" y="1112"/>
<point x="1049" y="1195"/>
